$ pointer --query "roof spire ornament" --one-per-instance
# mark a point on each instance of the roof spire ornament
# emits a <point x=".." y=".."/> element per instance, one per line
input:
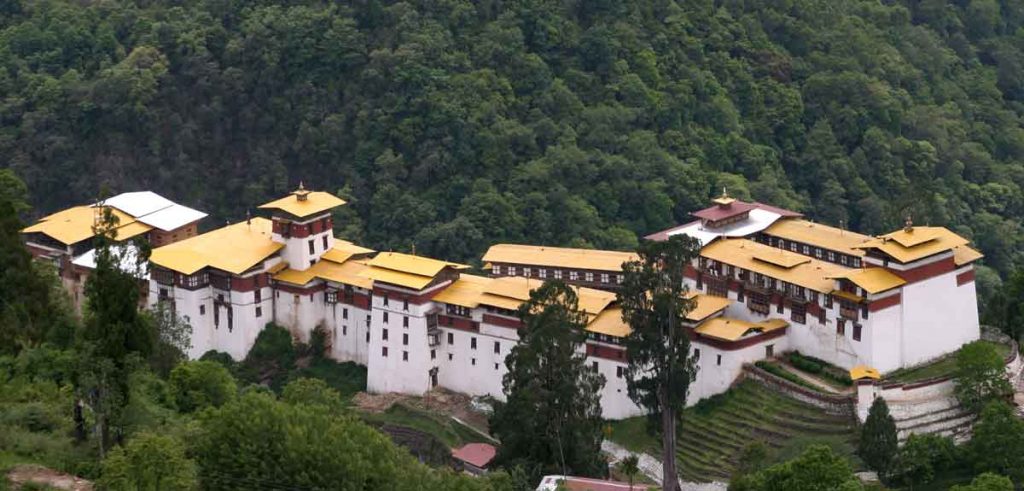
<point x="908" y="225"/>
<point x="302" y="193"/>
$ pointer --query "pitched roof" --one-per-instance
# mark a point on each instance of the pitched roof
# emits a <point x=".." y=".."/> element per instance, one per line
<point x="154" y="210"/>
<point x="706" y="306"/>
<point x="723" y="211"/>
<point x="477" y="454"/>
<point x="909" y="245"/>
<point x="728" y="329"/>
<point x="234" y="248"/>
<point x="609" y="322"/>
<point x="406" y="270"/>
<point x="75" y="224"/>
<point x="344" y="250"/>
<point x="348" y="273"/>
<point x="747" y="254"/>
<point x="819" y="235"/>
<point x="863" y="371"/>
<point x="558" y="257"/>
<point x="873" y="280"/>
<point x="964" y="254"/>
<point x="314" y="203"/>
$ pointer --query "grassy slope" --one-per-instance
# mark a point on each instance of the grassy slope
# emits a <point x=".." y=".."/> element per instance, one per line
<point x="941" y="368"/>
<point x="715" y="431"/>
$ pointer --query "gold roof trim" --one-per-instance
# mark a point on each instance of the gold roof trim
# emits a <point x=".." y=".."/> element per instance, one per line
<point x="234" y="248"/>
<point x="873" y="280"/>
<point x="918" y="243"/>
<point x="818" y="235"/>
<point x="315" y="202"/>
<point x="729" y="329"/>
<point x="812" y="273"/>
<point x="558" y="257"/>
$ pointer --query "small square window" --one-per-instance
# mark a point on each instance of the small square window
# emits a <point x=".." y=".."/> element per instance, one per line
<point x="259" y="311"/>
<point x="202" y="310"/>
<point x="450" y="357"/>
<point x="384" y="351"/>
<point x="619" y="372"/>
<point x="719" y="360"/>
<point x="405" y="339"/>
<point x="344" y="330"/>
<point x="473" y="362"/>
<point x="385" y="317"/>
<point x="472" y="343"/>
<point x="405" y="321"/>
<point x="384" y="334"/>
<point x="433" y="354"/>
<point x="856" y="332"/>
<point x="495" y="366"/>
<point x="451" y="339"/>
<point x="497" y="347"/>
<point x="405" y="356"/>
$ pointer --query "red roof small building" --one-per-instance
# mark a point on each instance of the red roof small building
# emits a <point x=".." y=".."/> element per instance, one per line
<point x="474" y="457"/>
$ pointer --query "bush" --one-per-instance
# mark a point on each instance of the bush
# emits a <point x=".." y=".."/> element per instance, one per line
<point x="980" y="376"/>
<point x="820" y="368"/>
<point x="199" y="384"/>
<point x="149" y="462"/>
<point x="802" y="363"/>
<point x="987" y="482"/>
<point x="33" y="416"/>
<point x="919" y="458"/>
<point x="997" y="444"/>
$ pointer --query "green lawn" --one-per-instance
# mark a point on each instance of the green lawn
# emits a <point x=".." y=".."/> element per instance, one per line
<point x="940" y="368"/>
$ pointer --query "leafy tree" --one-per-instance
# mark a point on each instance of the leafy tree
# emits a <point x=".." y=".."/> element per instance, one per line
<point x="818" y="468"/>
<point x="878" y="442"/>
<point x="551" y="420"/>
<point x="986" y="482"/>
<point x="149" y="463"/>
<point x="200" y="384"/>
<point x="174" y="339"/>
<point x="980" y="376"/>
<point x="919" y="458"/>
<point x="312" y="391"/>
<point x="997" y="444"/>
<point x="115" y="335"/>
<point x="1005" y="311"/>
<point x="304" y="446"/>
<point x="660" y="370"/>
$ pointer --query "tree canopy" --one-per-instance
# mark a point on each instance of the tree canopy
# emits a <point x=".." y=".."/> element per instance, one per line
<point x="456" y="123"/>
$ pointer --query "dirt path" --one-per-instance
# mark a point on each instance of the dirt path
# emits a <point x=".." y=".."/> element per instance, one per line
<point x="36" y="474"/>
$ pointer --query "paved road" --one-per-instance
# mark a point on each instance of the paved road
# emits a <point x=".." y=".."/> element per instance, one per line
<point x="651" y="467"/>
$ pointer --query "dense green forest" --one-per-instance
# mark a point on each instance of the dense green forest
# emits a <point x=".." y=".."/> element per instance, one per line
<point x="452" y="124"/>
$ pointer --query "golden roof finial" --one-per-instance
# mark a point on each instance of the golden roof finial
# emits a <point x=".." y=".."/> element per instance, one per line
<point x="908" y="226"/>
<point x="724" y="199"/>
<point x="302" y="193"/>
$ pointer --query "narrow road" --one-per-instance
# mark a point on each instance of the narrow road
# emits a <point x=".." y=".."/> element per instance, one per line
<point x="651" y="467"/>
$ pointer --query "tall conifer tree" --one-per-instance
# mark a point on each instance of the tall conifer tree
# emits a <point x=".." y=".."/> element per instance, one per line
<point x="653" y="300"/>
<point x="878" y="441"/>
<point x="551" y="420"/>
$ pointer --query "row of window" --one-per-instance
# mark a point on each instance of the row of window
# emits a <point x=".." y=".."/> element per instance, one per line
<point x="386" y="299"/>
<point x="808" y="250"/>
<point x="558" y="274"/>
<point x="312" y="245"/>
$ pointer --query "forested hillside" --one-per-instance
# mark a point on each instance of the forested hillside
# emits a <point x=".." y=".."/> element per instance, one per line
<point x="452" y="124"/>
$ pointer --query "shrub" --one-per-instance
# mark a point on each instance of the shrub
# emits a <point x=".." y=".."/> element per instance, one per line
<point x="916" y="462"/>
<point x="980" y="376"/>
<point x="200" y="384"/>
<point x="998" y="442"/>
<point x="147" y="462"/>
<point x="986" y="482"/>
<point x="782" y="372"/>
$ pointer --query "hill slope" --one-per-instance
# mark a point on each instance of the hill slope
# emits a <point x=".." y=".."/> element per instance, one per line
<point x="455" y="123"/>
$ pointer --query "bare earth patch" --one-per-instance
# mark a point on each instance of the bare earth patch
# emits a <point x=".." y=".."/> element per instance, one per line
<point x="437" y="401"/>
<point x="36" y="474"/>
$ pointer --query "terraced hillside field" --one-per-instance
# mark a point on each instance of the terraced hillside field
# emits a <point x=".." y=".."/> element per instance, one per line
<point x="715" y="431"/>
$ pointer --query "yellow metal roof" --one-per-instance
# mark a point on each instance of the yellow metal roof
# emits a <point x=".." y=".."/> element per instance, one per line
<point x="234" y="248"/>
<point x="873" y="280"/>
<point x="609" y="322"/>
<point x="466" y="291"/>
<point x="408" y="263"/>
<point x="706" y="306"/>
<point x="343" y="250"/>
<point x="781" y="258"/>
<point x="558" y="257"/>
<point x="863" y="371"/>
<point x="918" y="243"/>
<point x="747" y="254"/>
<point x="408" y="280"/>
<point x="315" y="202"/>
<point x="593" y="301"/>
<point x="75" y="224"/>
<point x="847" y="295"/>
<point x="728" y="329"/>
<point x="278" y="267"/>
<point x="964" y="254"/>
<point x="348" y="273"/>
<point x="818" y="235"/>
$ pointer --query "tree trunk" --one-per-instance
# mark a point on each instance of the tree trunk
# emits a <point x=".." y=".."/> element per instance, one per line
<point x="669" y="478"/>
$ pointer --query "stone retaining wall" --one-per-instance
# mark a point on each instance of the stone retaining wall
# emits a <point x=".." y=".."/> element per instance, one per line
<point x="831" y="403"/>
